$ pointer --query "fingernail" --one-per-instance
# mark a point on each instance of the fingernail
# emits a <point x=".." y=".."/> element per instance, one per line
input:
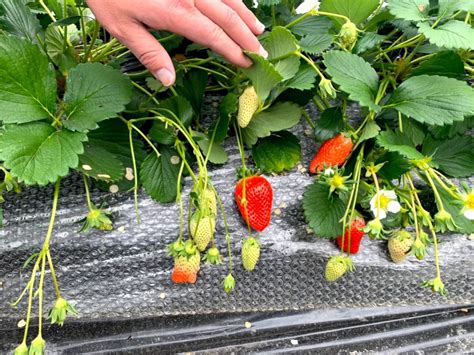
<point x="260" y="26"/>
<point x="263" y="52"/>
<point x="165" y="76"/>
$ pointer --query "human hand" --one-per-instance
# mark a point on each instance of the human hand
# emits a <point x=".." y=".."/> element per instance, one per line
<point x="226" y="26"/>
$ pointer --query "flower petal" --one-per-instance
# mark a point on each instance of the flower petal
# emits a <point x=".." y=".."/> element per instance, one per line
<point x="394" y="207"/>
<point x="390" y="194"/>
<point x="469" y="214"/>
<point x="382" y="214"/>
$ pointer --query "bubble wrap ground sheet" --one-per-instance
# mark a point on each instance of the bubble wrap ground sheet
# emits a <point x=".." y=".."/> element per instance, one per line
<point x="126" y="273"/>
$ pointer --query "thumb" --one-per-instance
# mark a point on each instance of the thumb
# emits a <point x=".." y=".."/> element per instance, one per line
<point x="150" y="53"/>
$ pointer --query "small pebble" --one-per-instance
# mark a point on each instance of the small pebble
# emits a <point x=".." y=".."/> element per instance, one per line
<point x="308" y="132"/>
<point x="294" y="342"/>
<point x="162" y="295"/>
<point x="248" y="325"/>
<point x="277" y="212"/>
<point x="21" y="323"/>
<point x="129" y="174"/>
<point x="309" y="230"/>
<point x="283" y="205"/>
<point x="175" y="160"/>
<point x="121" y="229"/>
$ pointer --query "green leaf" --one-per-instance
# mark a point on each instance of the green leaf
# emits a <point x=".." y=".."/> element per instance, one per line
<point x="317" y="43"/>
<point x="357" y="11"/>
<point x="303" y="80"/>
<point x="323" y="211"/>
<point x="36" y="153"/>
<point x="312" y="25"/>
<point x="94" y="93"/>
<point x="227" y="108"/>
<point x="398" y="142"/>
<point x="410" y="10"/>
<point x="161" y="133"/>
<point x="64" y="59"/>
<point x="217" y="154"/>
<point x="413" y="130"/>
<point x="455" y="156"/>
<point x="113" y="136"/>
<point x="27" y="82"/>
<point x="263" y="75"/>
<point x="447" y="7"/>
<point x="395" y="165"/>
<point x="451" y="35"/>
<point x="444" y="63"/>
<point x="159" y="175"/>
<point x="180" y="107"/>
<point x="277" y="118"/>
<point x="288" y="67"/>
<point x="98" y="163"/>
<point x="368" y="41"/>
<point x="449" y="131"/>
<point x="354" y="75"/>
<point x="280" y="42"/>
<point x="435" y="100"/>
<point x="465" y="225"/>
<point x="268" y="2"/>
<point x="330" y="124"/>
<point x="371" y="130"/>
<point x="276" y="153"/>
<point x="17" y="19"/>
<point x="193" y="88"/>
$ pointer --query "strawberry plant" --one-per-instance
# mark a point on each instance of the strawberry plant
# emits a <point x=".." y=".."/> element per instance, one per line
<point x="73" y="101"/>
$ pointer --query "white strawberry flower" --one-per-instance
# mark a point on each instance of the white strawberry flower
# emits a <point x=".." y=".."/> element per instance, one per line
<point x="468" y="209"/>
<point x="307" y="6"/>
<point x="383" y="202"/>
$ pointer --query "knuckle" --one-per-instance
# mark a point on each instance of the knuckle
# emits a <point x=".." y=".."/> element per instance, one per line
<point x="148" y="58"/>
<point x="216" y="35"/>
<point x="231" y="18"/>
<point x="183" y="4"/>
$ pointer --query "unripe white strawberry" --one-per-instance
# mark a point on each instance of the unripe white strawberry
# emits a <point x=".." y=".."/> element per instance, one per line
<point x="248" y="105"/>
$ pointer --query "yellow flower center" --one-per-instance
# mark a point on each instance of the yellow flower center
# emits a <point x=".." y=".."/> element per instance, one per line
<point x="469" y="202"/>
<point x="383" y="202"/>
<point x="337" y="181"/>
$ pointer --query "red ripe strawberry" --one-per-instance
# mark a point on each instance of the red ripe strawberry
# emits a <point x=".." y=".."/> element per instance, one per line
<point x="259" y="197"/>
<point x="332" y="152"/>
<point x="357" y="232"/>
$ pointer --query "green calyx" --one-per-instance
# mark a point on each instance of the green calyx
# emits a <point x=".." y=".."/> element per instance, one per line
<point x="213" y="256"/>
<point x="60" y="311"/>
<point x="229" y="283"/>
<point x="97" y="219"/>
<point x="37" y="346"/>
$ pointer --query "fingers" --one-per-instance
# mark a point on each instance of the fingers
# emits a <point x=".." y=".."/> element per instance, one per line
<point x="200" y="29"/>
<point x="149" y="52"/>
<point x="234" y="26"/>
<point x="246" y="15"/>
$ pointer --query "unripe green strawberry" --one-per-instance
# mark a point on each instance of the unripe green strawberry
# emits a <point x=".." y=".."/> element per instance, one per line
<point x="248" y="104"/>
<point x="399" y="245"/>
<point x="202" y="230"/>
<point x="186" y="268"/>
<point x="250" y="253"/>
<point x="348" y="35"/>
<point x="209" y="200"/>
<point x="337" y="266"/>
